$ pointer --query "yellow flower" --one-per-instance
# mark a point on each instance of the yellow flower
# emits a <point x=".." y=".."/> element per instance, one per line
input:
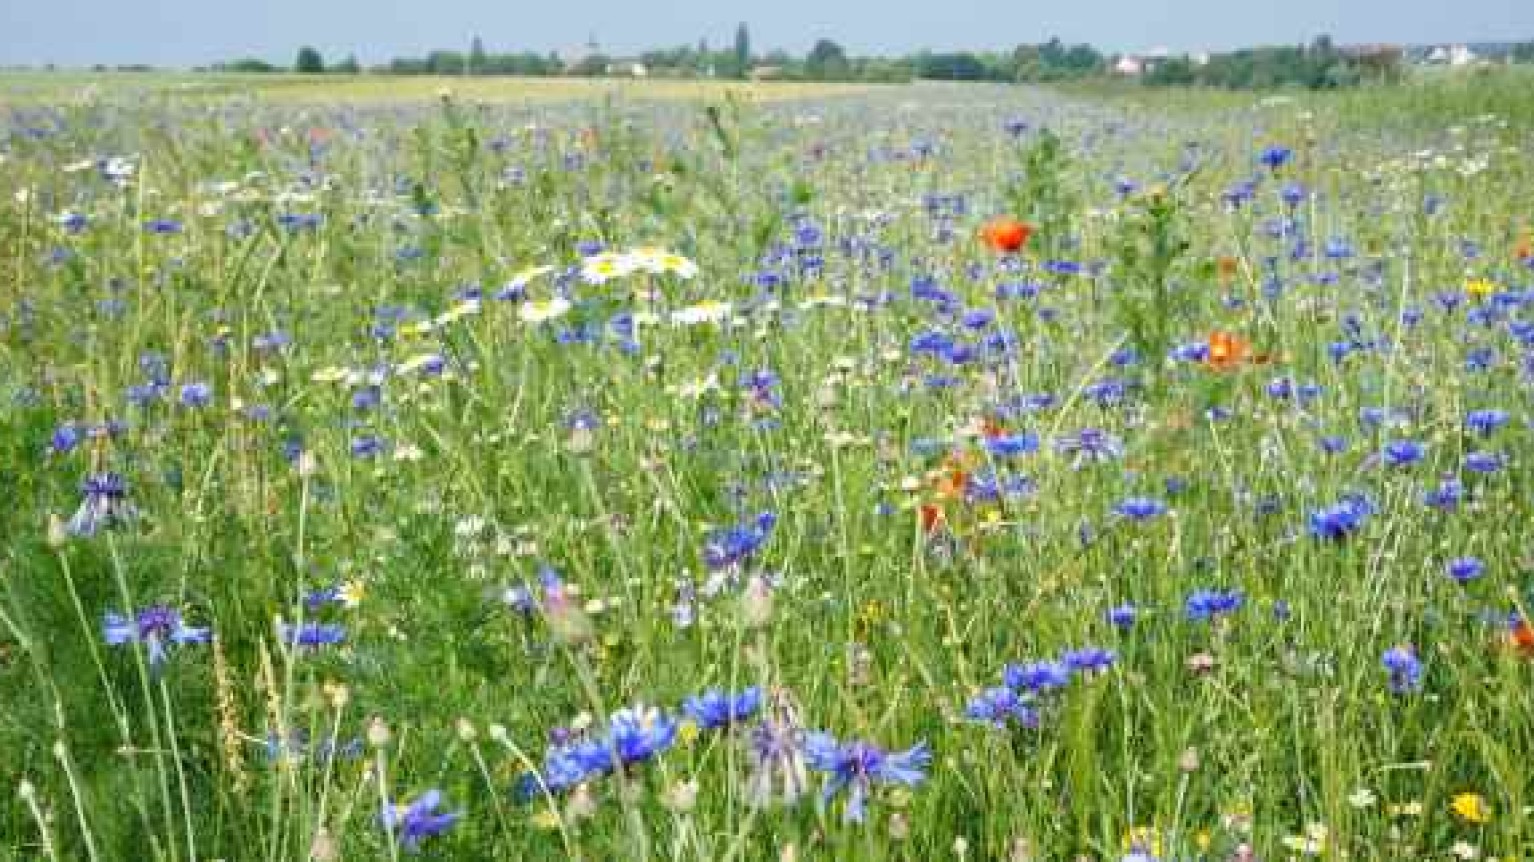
<point x="1480" y="288"/>
<point x="1144" y="838"/>
<point x="1471" y="808"/>
<point x="687" y="732"/>
<point x="351" y="593"/>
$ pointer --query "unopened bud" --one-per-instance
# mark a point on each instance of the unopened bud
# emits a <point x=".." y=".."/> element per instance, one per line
<point x="58" y="532"/>
<point x="756" y="603"/>
<point x="378" y="732"/>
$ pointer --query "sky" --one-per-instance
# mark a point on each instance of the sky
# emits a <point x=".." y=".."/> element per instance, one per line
<point x="184" y="33"/>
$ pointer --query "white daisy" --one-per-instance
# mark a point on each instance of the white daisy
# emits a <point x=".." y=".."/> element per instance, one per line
<point x="541" y="310"/>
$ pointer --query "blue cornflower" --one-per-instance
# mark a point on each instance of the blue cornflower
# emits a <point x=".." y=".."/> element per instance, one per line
<point x="1446" y="496"/>
<point x="1342" y="520"/>
<point x="716" y="709"/>
<point x="1088" y="660"/>
<point x="1484" y="422"/>
<point x="1009" y="445"/>
<point x="1465" y="569"/>
<point x="639" y="733"/>
<point x="858" y="765"/>
<point x="1403" y="453"/>
<point x="1140" y="508"/>
<point x="412" y="822"/>
<point x="1484" y="462"/>
<point x="1038" y="677"/>
<point x="105" y="505"/>
<point x="996" y="706"/>
<point x="1275" y="157"/>
<point x="162" y="226"/>
<point x="1404" y="669"/>
<point x="1090" y="445"/>
<point x="196" y="394"/>
<point x="155" y="627"/>
<point x="311" y="634"/>
<point x="66" y="437"/>
<point x="736" y="545"/>
<point x="1208" y="604"/>
<point x="1122" y="616"/>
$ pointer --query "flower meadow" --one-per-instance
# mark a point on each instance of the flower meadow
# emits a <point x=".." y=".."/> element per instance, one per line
<point x="925" y="473"/>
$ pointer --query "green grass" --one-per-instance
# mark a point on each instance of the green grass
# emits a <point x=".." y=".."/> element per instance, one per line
<point x="616" y="457"/>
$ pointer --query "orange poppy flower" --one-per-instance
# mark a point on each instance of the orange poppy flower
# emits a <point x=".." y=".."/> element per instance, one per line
<point x="1227" y="351"/>
<point x="1521" y="638"/>
<point x="1006" y="234"/>
<point x="1225" y="268"/>
<point x="1525" y="248"/>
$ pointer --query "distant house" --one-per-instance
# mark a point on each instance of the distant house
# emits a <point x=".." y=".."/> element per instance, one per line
<point x="627" y="68"/>
<point x="1450" y="55"/>
<point x="766" y="73"/>
<point x="1129" y="67"/>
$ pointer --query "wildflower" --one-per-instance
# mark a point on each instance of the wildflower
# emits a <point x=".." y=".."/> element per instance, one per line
<point x="1037" y="677"/>
<point x="1404" y="669"/>
<point x="1521" y="637"/>
<point x="1140" y="508"/>
<point x="716" y="709"/>
<point x="1090" y="445"/>
<point x="856" y="766"/>
<point x="996" y="706"/>
<point x="736" y="545"/>
<point x="1342" y="520"/>
<point x="1363" y="797"/>
<point x="1484" y="462"/>
<point x="543" y="310"/>
<point x="1485" y="422"/>
<point x="1312" y="843"/>
<point x="1403" y="453"/>
<point x="311" y="634"/>
<point x="639" y="733"/>
<point x="411" y="823"/>
<point x="1089" y="660"/>
<point x="1465" y="569"/>
<point x="105" y="505"/>
<point x="1480" y="288"/>
<point x="196" y="394"/>
<point x="1226" y="351"/>
<point x="1275" y="157"/>
<point x="777" y="755"/>
<point x="1122" y="616"/>
<point x="1006" y="234"/>
<point x="155" y="627"/>
<point x="1471" y="808"/>
<point x="708" y="311"/>
<point x="1209" y="604"/>
<point x="605" y="266"/>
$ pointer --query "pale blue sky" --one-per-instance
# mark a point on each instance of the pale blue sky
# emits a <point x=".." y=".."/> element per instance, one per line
<point x="190" y="32"/>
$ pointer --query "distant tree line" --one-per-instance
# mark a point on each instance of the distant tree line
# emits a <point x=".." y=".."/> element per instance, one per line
<point x="1321" y="65"/>
<point x="1318" y="65"/>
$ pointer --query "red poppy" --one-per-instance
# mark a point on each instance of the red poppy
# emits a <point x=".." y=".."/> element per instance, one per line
<point x="931" y="516"/>
<point x="1006" y="234"/>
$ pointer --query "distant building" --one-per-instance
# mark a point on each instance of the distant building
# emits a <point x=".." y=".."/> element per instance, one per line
<point x="1129" y="67"/>
<point x="627" y="69"/>
<point x="766" y="73"/>
<point x="1450" y="55"/>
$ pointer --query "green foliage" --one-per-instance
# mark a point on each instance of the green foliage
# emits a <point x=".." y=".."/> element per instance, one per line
<point x="309" y="62"/>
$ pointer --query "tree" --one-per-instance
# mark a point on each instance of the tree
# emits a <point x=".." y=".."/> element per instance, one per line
<point x="742" y="51"/>
<point x="477" y="57"/>
<point x="349" y="66"/>
<point x="309" y="62"/>
<point x="827" y="62"/>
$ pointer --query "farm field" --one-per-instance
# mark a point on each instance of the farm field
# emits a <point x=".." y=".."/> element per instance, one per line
<point x="617" y="470"/>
